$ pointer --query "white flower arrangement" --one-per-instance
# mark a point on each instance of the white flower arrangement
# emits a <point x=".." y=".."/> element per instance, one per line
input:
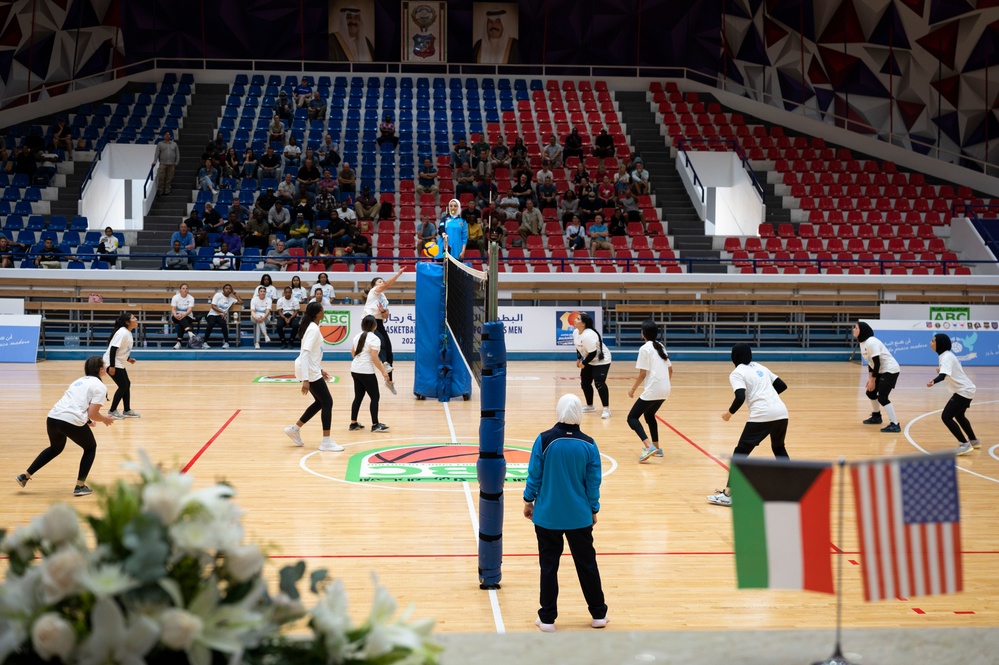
<point x="170" y="580"/>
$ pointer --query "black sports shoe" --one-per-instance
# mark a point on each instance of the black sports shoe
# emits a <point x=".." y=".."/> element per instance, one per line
<point x="875" y="419"/>
<point x="379" y="427"/>
<point x="82" y="490"/>
<point x="355" y="426"/>
<point x="22" y="479"/>
<point x="892" y="427"/>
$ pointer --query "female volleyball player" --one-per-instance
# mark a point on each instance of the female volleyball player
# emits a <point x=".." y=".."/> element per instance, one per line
<point x="964" y="391"/>
<point x="655" y="371"/>
<point x="761" y="388"/>
<point x="182" y="311"/>
<point x="79" y="407"/>
<point x="364" y="352"/>
<point x="309" y="370"/>
<point x="883" y="369"/>
<point x="376" y="306"/>
<point x="593" y="359"/>
<point x="118" y="353"/>
<point x="454" y="230"/>
<point x="260" y="311"/>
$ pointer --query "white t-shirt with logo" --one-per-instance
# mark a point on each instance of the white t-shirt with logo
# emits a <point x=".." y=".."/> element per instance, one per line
<point x="375" y="299"/>
<point x="223" y="302"/>
<point x="362" y="363"/>
<point x="289" y="305"/>
<point x="957" y="380"/>
<point x="327" y="289"/>
<point x="765" y="405"/>
<point x="73" y="406"/>
<point x="300" y="293"/>
<point x="586" y="344"/>
<point x="872" y="347"/>
<point x="183" y="304"/>
<point x="657" y="383"/>
<point x="123" y="340"/>
<point x="308" y="364"/>
<point x="260" y="307"/>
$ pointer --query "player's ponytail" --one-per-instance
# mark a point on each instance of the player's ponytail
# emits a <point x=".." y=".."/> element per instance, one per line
<point x="311" y="312"/>
<point x="120" y="322"/>
<point x="650" y="331"/>
<point x="368" y="324"/>
<point x="588" y="323"/>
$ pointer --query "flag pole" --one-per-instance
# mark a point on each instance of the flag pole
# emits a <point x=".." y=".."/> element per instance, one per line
<point x="837" y="657"/>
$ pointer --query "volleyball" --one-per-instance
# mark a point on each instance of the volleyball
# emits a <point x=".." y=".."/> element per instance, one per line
<point x="431" y="249"/>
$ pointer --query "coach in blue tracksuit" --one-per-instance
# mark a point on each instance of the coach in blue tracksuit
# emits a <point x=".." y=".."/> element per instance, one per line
<point x="454" y="230"/>
<point x="562" y="497"/>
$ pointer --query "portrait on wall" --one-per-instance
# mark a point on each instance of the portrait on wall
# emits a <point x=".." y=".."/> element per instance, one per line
<point x="352" y="30"/>
<point x="495" y="32"/>
<point x="424" y="31"/>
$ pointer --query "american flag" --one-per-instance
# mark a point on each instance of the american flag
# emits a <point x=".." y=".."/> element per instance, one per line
<point x="909" y="525"/>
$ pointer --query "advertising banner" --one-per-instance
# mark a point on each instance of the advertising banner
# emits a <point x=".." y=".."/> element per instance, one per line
<point x="19" y="337"/>
<point x="975" y="343"/>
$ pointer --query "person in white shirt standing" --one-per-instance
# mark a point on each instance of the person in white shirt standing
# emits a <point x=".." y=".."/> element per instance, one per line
<point x="79" y="407"/>
<point x="182" y="311"/>
<point x="309" y="370"/>
<point x="964" y="391"/>
<point x="260" y="311"/>
<point x="376" y="305"/>
<point x="760" y="388"/>
<point x="884" y="370"/>
<point x="117" y="355"/>
<point x="288" y="307"/>
<point x="655" y="371"/>
<point x="364" y="351"/>
<point x="219" y="314"/>
<point x="593" y="359"/>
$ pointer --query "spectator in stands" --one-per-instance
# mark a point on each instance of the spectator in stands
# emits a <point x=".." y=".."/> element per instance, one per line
<point x="208" y="178"/>
<point x="367" y="205"/>
<point x="552" y="151"/>
<point x="317" y="107"/>
<point x="303" y="92"/>
<point x="359" y="249"/>
<point x="218" y="315"/>
<point x="182" y="313"/>
<point x="603" y="145"/>
<point x="500" y="154"/>
<point x="427" y="178"/>
<point x="544" y="172"/>
<point x="530" y="221"/>
<point x="108" y="246"/>
<point x="288" y="190"/>
<point x="626" y="201"/>
<point x="476" y="235"/>
<point x="346" y="213"/>
<point x="298" y="234"/>
<point x="486" y="192"/>
<point x="523" y="190"/>
<point x="325" y="203"/>
<point x="258" y="230"/>
<point x="346" y="181"/>
<point x="231" y="165"/>
<point x="265" y="201"/>
<point x="464" y="180"/>
<point x="236" y="207"/>
<point x="223" y="259"/>
<point x="320" y="246"/>
<point x="287" y="308"/>
<point x="270" y="163"/>
<point x="482" y="166"/>
<point x="186" y="238"/>
<point x="211" y="220"/>
<point x="275" y="131"/>
<point x="479" y="143"/>
<point x="573" y="145"/>
<point x="25" y="163"/>
<point x="639" y="179"/>
<point x="168" y="155"/>
<point x="495" y="232"/>
<point x="605" y="193"/>
<point x="44" y="172"/>
<point x="509" y="206"/>
<point x="339" y="231"/>
<point x="284" y="108"/>
<point x="568" y="206"/>
<point x="599" y="234"/>
<point x="427" y="230"/>
<point x="575" y="235"/>
<point x="589" y="206"/>
<point x="177" y="258"/>
<point x="62" y="137"/>
<point x="308" y="179"/>
<point x="547" y="194"/>
<point x="230" y="237"/>
<point x="518" y="155"/>
<point x="329" y="156"/>
<point x="278" y="258"/>
<point x="622" y="181"/>
<point x="250" y="166"/>
<point x="6" y="253"/>
<point x="279" y="218"/>
<point x="330" y="183"/>
<point x="386" y="131"/>
<point x="292" y="152"/>
<point x="460" y="155"/>
<point x="617" y="225"/>
<point x="304" y="208"/>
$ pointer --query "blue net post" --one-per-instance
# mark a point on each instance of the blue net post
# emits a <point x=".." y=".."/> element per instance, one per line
<point x="491" y="466"/>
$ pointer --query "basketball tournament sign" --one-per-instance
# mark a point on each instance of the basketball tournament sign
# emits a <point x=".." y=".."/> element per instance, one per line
<point x="335" y="326"/>
<point x="430" y="462"/>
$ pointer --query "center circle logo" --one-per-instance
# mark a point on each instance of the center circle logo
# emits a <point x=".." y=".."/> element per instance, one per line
<point x="429" y="462"/>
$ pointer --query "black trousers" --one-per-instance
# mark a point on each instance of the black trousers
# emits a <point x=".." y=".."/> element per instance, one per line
<point x="647" y="409"/>
<point x="754" y="433"/>
<point x="955" y="420"/>
<point x="322" y="401"/>
<point x="183" y="326"/>
<point x="550" y="545"/>
<point x="219" y="321"/>
<point x="59" y="431"/>
<point x="292" y="327"/>
<point x="365" y="384"/>
<point x="595" y="374"/>
<point x="882" y="387"/>
<point x="124" y="392"/>
<point x="385" y="354"/>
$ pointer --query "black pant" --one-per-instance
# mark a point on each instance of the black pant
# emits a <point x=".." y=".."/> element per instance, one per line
<point x="322" y="401"/>
<point x="597" y="374"/>
<point x="754" y="433"/>
<point x="385" y="354"/>
<point x="365" y="384"/>
<point x="882" y="387"/>
<point x="124" y="392"/>
<point x="292" y="327"/>
<point x="954" y="411"/>
<point x="184" y="326"/>
<point x="219" y="321"/>
<point x="59" y="431"/>
<point x="647" y="409"/>
<point x="550" y="545"/>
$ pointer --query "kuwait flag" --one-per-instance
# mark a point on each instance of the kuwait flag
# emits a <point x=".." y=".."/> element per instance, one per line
<point x="780" y="513"/>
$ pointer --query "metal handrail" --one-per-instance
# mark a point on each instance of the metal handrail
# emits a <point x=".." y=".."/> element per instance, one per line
<point x="145" y="185"/>
<point x="690" y="165"/>
<point x="89" y="175"/>
<point x="736" y="148"/>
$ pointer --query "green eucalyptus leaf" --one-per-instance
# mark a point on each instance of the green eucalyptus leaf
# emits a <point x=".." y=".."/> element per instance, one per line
<point x="146" y="540"/>
<point x="290" y="575"/>
<point x="316" y="577"/>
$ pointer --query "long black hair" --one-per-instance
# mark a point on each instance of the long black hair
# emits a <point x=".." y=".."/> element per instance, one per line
<point x="942" y="342"/>
<point x="266" y="276"/>
<point x="650" y="331"/>
<point x="311" y="312"/>
<point x="92" y="366"/>
<point x="368" y="324"/>
<point x="120" y="322"/>
<point x="588" y="323"/>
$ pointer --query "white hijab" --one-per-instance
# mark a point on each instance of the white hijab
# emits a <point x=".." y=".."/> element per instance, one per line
<point x="569" y="409"/>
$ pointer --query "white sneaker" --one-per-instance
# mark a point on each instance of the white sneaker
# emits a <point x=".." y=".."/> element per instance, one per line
<point x="294" y="434"/>
<point x="600" y="623"/>
<point x="388" y="367"/>
<point x="225" y="345"/>
<point x="589" y="409"/>
<point x="267" y="339"/>
<point x="256" y="345"/>
<point x="606" y="414"/>
<point x="544" y="627"/>
<point x="720" y="499"/>
<point x="117" y="415"/>
<point x="964" y="448"/>
<point x="330" y="447"/>
<point x="131" y="414"/>
<point x="177" y="345"/>
<point x="975" y="443"/>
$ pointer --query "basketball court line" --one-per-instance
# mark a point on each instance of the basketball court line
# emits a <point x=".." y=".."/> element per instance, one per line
<point x="197" y="455"/>
<point x="926" y="452"/>
<point x="688" y="440"/>
<point x="534" y="555"/>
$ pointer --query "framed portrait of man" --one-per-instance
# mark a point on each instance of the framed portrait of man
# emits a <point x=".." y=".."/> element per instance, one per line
<point x="496" y="32"/>
<point x="352" y="30"/>
<point x="424" y="31"/>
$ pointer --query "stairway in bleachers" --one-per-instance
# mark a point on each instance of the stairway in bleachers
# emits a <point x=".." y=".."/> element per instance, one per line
<point x="167" y="211"/>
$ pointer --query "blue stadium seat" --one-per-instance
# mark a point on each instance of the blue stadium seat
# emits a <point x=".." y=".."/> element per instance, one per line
<point x="75" y="264"/>
<point x="57" y="222"/>
<point x="35" y="223"/>
<point x="15" y="223"/>
<point x="78" y="223"/>
<point x="258" y="79"/>
<point x="23" y="208"/>
<point x="92" y="239"/>
<point x="71" y="238"/>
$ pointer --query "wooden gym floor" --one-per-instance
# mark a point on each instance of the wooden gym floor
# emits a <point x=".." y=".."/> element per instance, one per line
<point x="665" y="555"/>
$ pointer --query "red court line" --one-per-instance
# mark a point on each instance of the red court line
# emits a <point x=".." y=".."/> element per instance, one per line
<point x="685" y="438"/>
<point x="201" y="452"/>
<point x="507" y="554"/>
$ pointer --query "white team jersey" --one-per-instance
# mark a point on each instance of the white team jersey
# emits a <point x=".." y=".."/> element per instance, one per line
<point x="957" y="380"/>
<point x="371" y="304"/>
<point x="75" y="402"/>
<point x="362" y="363"/>
<point x="223" y="302"/>
<point x="123" y="340"/>
<point x="289" y="305"/>
<point x="657" y="383"/>
<point x="183" y="304"/>
<point x="272" y="291"/>
<point x="587" y="344"/>
<point x="260" y="307"/>
<point x="327" y="290"/>
<point x="300" y="293"/>
<point x="308" y="364"/>
<point x="871" y="348"/>
<point x="765" y="405"/>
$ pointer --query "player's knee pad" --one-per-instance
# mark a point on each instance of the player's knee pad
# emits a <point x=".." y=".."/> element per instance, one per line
<point x="883" y="400"/>
<point x="872" y="394"/>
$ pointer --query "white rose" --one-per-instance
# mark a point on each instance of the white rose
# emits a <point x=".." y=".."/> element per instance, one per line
<point x="59" y="524"/>
<point x="51" y="635"/>
<point x="60" y="572"/>
<point x="243" y="562"/>
<point x="162" y="500"/>
<point x="179" y="628"/>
